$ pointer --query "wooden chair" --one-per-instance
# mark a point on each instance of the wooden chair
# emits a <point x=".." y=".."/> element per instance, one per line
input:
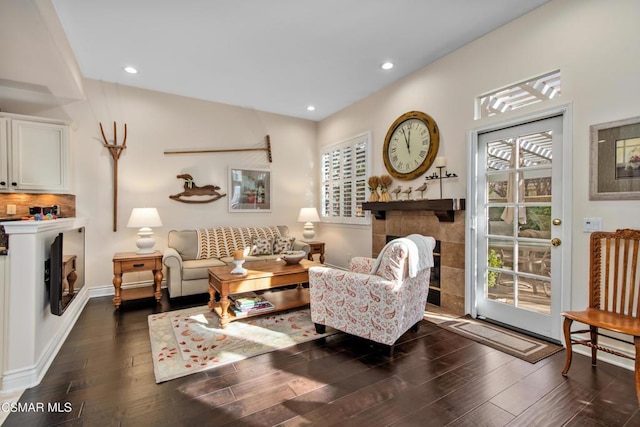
<point x="614" y="297"/>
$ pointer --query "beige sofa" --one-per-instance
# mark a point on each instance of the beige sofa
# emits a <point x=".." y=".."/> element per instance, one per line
<point x="191" y="252"/>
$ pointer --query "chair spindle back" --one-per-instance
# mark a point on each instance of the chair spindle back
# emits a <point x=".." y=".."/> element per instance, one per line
<point x="614" y="282"/>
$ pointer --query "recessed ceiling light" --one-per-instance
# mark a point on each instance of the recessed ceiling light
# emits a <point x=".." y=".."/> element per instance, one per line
<point x="311" y="108"/>
<point x="131" y="70"/>
<point x="387" y="65"/>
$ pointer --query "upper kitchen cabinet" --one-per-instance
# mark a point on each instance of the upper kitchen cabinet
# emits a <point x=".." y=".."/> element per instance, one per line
<point x="34" y="156"/>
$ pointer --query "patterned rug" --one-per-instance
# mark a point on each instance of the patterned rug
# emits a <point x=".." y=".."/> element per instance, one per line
<point x="519" y="345"/>
<point x="187" y="341"/>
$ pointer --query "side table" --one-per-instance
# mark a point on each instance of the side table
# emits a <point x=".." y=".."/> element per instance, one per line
<point x="316" y="248"/>
<point x="69" y="275"/>
<point x="128" y="262"/>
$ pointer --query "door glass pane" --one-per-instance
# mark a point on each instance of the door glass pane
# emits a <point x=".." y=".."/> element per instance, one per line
<point x="495" y="223"/>
<point x="535" y="149"/>
<point x="497" y="187"/>
<point x="532" y="257"/>
<point x="534" y="295"/>
<point x="503" y="290"/>
<point x="537" y="185"/>
<point x="535" y="222"/>
<point x="534" y="282"/>
<point x="503" y="252"/>
<point x="499" y="154"/>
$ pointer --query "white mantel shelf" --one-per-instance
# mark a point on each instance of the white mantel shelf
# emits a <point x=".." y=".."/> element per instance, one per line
<point x="31" y="336"/>
<point x="31" y="227"/>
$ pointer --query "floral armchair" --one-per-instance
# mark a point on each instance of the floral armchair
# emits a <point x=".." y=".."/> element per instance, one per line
<point x="377" y="299"/>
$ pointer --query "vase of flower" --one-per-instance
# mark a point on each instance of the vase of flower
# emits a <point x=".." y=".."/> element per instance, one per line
<point x="633" y="161"/>
<point x="385" y="182"/>
<point x="374" y="182"/>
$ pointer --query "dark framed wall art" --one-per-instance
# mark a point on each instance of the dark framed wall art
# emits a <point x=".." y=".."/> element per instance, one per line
<point x="615" y="160"/>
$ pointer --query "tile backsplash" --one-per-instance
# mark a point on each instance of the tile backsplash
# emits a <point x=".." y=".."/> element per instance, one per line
<point x="22" y="201"/>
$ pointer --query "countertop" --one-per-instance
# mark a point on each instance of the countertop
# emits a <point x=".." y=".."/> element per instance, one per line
<point x="18" y="225"/>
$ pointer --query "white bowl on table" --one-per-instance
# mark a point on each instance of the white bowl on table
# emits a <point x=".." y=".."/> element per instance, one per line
<point x="293" y="257"/>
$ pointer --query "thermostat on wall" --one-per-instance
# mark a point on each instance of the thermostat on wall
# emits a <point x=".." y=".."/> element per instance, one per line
<point x="592" y="224"/>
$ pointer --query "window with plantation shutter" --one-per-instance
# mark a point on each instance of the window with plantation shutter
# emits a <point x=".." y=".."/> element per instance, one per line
<point x="344" y="170"/>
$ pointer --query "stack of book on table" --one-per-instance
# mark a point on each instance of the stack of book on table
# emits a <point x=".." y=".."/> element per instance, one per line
<point x="249" y="303"/>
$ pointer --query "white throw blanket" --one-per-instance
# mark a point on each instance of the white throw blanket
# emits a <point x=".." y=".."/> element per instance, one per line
<point x="420" y="253"/>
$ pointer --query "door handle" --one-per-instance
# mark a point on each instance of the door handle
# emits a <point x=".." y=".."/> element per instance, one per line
<point x="555" y="241"/>
<point x="556" y="221"/>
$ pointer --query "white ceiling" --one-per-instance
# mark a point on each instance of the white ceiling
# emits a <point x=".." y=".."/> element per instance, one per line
<point x="277" y="56"/>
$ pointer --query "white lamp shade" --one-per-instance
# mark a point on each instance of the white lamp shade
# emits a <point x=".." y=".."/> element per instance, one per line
<point x="308" y="215"/>
<point x="144" y="218"/>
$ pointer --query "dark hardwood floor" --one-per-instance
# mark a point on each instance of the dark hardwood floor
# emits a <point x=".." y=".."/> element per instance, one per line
<point x="104" y="375"/>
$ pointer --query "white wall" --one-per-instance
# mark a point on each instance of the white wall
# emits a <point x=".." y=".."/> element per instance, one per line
<point x="147" y="176"/>
<point x="593" y="42"/>
<point x="595" y="45"/>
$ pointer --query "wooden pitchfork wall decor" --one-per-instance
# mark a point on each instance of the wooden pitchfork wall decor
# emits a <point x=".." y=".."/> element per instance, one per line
<point x="115" y="150"/>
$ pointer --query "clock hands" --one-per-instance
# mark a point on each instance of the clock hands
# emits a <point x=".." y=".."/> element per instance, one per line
<point x="407" y="140"/>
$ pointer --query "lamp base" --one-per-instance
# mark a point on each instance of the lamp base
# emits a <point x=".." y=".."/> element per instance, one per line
<point x="145" y="241"/>
<point x="309" y="233"/>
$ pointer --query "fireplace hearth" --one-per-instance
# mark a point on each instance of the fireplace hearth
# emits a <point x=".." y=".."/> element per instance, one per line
<point x="434" y="282"/>
<point x="450" y="276"/>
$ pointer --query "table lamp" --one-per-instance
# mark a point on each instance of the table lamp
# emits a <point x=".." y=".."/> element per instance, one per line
<point x="144" y="218"/>
<point x="308" y="216"/>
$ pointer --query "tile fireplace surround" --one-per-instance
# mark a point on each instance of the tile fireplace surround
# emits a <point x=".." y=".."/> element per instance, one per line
<point x="451" y="236"/>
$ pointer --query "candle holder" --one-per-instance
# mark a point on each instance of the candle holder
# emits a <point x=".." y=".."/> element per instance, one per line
<point x="239" y="269"/>
<point x="440" y="176"/>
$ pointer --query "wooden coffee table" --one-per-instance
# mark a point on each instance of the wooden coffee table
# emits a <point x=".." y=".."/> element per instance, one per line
<point x="261" y="275"/>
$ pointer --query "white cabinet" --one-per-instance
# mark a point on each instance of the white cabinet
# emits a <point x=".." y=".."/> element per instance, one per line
<point x="5" y="126"/>
<point x="34" y="156"/>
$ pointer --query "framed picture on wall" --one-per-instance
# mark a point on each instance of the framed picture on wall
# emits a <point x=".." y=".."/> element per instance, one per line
<point x="615" y="160"/>
<point x="249" y="190"/>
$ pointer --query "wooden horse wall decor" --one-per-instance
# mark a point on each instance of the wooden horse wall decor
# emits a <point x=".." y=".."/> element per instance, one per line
<point x="115" y="150"/>
<point x="194" y="194"/>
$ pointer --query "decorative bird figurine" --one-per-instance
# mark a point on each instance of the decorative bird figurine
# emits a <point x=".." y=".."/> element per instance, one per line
<point x="422" y="189"/>
<point x="396" y="191"/>
<point x="407" y="192"/>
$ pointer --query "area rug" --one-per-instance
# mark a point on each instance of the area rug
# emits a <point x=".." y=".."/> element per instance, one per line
<point x="187" y="341"/>
<point x="519" y="345"/>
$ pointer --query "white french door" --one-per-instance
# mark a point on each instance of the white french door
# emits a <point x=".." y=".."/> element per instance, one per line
<point x="520" y="234"/>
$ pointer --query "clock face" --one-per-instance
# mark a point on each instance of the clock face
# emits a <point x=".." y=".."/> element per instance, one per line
<point x="411" y="145"/>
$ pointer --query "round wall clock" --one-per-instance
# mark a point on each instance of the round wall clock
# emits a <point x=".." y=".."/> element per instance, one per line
<point x="411" y="145"/>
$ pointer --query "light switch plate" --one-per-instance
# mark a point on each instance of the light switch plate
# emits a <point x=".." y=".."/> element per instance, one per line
<point x="590" y="225"/>
<point x="11" y="209"/>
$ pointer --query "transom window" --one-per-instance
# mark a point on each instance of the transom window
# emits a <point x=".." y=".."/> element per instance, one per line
<point x="344" y="169"/>
<point x="529" y="92"/>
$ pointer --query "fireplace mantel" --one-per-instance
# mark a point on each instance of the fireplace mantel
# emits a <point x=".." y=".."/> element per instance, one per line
<point x="444" y="209"/>
<point x="32" y="336"/>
